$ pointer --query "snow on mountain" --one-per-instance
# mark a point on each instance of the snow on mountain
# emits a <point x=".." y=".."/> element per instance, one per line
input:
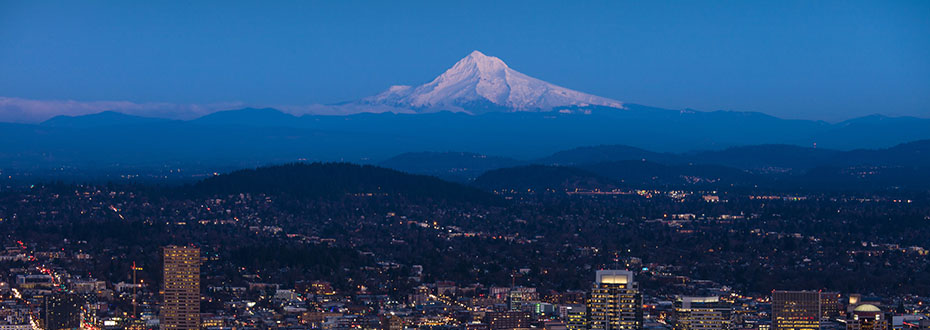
<point x="480" y="83"/>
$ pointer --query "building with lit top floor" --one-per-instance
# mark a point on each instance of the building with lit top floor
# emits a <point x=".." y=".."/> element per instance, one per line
<point x="615" y="302"/>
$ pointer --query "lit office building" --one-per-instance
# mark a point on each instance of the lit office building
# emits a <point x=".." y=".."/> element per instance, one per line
<point x="520" y="296"/>
<point x="796" y="310"/>
<point x="508" y="320"/>
<point x="615" y="302"/>
<point x="180" y="308"/>
<point x="830" y="306"/>
<point x="574" y="317"/>
<point x="701" y="313"/>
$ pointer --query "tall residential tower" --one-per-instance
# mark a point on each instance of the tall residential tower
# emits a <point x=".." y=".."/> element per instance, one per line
<point x="180" y="309"/>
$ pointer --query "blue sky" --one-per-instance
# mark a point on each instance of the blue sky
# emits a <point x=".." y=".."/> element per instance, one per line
<point x="795" y="59"/>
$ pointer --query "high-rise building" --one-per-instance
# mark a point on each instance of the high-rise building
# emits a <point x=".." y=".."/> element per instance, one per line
<point x="796" y="310"/>
<point x="615" y="302"/>
<point x="701" y="313"/>
<point x="867" y="317"/>
<point x="180" y="309"/>
<point x="62" y="311"/>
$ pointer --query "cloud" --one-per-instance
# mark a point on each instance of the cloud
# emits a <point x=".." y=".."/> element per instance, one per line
<point x="18" y="110"/>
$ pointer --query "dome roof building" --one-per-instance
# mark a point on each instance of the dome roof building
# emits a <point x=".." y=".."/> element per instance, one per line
<point x="867" y="317"/>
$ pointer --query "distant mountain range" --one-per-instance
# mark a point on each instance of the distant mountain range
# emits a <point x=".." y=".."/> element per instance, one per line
<point x="480" y="106"/>
<point x="251" y="137"/>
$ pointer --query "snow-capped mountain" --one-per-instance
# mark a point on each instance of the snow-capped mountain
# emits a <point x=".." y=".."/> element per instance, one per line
<point x="481" y="83"/>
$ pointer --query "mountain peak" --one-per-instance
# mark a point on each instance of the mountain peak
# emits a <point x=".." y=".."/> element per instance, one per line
<point x="476" y="53"/>
<point x="481" y="61"/>
<point x="480" y="83"/>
